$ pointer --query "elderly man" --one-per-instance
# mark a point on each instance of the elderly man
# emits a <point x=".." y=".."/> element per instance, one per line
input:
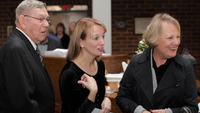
<point x="25" y="85"/>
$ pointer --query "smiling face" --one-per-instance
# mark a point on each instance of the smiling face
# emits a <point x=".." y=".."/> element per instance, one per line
<point x="37" y="30"/>
<point x="94" y="41"/>
<point x="168" y="41"/>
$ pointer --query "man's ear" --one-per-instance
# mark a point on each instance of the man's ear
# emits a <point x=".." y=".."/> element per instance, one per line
<point x="22" y="21"/>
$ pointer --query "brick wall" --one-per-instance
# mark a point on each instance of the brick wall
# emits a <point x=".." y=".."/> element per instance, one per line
<point x="125" y="40"/>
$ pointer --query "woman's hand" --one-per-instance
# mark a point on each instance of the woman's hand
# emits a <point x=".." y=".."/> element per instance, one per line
<point x="158" y="111"/>
<point x="106" y="105"/>
<point x="89" y="83"/>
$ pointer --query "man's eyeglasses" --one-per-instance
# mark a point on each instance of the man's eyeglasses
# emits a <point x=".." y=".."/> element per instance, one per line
<point x="40" y="19"/>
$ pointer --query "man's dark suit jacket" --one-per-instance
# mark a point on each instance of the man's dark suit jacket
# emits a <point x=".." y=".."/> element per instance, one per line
<point x="25" y="85"/>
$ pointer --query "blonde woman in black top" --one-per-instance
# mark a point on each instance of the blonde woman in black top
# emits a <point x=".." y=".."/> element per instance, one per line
<point x="82" y="78"/>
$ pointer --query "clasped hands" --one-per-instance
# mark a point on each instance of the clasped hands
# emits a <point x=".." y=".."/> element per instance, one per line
<point x="155" y="111"/>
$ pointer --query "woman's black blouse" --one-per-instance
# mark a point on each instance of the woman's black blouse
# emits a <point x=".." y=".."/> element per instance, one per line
<point x="74" y="96"/>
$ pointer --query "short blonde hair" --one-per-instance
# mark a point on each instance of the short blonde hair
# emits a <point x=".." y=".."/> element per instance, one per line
<point x="151" y="34"/>
<point x="82" y="28"/>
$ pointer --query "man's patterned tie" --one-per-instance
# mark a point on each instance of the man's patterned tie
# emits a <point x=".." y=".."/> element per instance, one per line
<point x="39" y="55"/>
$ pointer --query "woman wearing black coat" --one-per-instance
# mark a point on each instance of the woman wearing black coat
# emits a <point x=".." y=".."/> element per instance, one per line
<point x="159" y="80"/>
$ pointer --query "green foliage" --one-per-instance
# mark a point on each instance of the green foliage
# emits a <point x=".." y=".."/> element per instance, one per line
<point x="141" y="47"/>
